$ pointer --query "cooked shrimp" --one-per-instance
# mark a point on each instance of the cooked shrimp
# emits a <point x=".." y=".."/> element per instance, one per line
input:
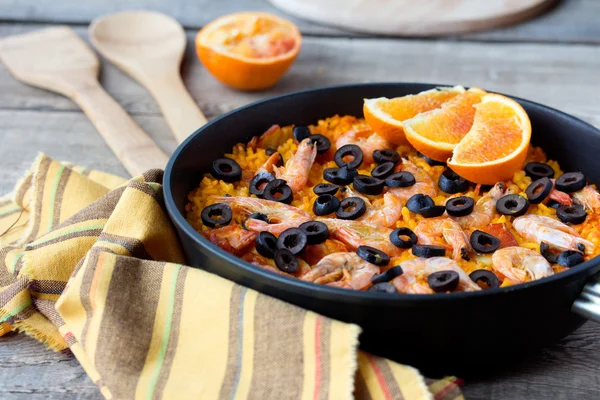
<point x="343" y="269"/>
<point x="588" y="197"/>
<point x="231" y="238"/>
<point x="518" y="264"/>
<point x="281" y="216"/>
<point x="416" y="271"/>
<point x="366" y="139"/>
<point x="424" y="184"/>
<point x="484" y="210"/>
<point x="446" y="232"/>
<point x="314" y="253"/>
<point x="270" y="163"/>
<point x="545" y="229"/>
<point x="297" y="168"/>
<point x="356" y="233"/>
<point x="557" y="195"/>
<point x="385" y="215"/>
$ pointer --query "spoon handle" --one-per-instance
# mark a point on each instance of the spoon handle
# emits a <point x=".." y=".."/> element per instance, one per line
<point x="132" y="146"/>
<point x="177" y="105"/>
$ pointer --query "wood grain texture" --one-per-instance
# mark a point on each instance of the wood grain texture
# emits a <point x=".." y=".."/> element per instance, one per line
<point x="570" y="21"/>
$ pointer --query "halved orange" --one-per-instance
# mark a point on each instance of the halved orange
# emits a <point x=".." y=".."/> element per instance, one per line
<point x="249" y="50"/>
<point x="386" y="116"/>
<point x="496" y="146"/>
<point x="435" y="133"/>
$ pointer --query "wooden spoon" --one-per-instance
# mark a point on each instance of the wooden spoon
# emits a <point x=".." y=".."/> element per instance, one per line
<point x="57" y="59"/>
<point x="149" y="46"/>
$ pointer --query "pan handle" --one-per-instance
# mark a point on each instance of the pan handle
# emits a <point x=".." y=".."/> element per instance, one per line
<point x="587" y="304"/>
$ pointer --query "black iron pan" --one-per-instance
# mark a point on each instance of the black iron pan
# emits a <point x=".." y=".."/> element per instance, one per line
<point x="448" y="333"/>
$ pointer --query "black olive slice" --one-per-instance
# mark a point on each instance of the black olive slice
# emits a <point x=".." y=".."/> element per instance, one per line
<point x="300" y="133"/>
<point x="418" y="202"/>
<point x="538" y="170"/>
<point x="400" y="179"/>
<point x="431" y="161"/>
<point x="226" y="169"/>
<point x="443" y="281"/>
<point x="266" y="244"/>
<point x="460" y="206"/>
<point x="373" y="255"/>
<point x="316" y="231"/>
<point x="403" y="238"/>
<point x="286" y="261"/>
<point x="574" y="214"/>
<point x="278" y="190"/>
<point x="322" y="142"/>
<point x="450" y="182"/>
<point x="349" y="150"/>
<point x="538" y="190"/>
<point x="325" y="188"/>
<point x="382" y="171"/>
<point x="259" y="182"/>
<point x="386" y="155"/>
<point x="428" y="251"/>
<point x="546" y="253"/>
<point x="432" y="211"/>
<point x="368" y="185"/>
<point x="293" y="239"/>
<point x="351" y="208"/>
<point x="570" y="182"/>
<point x="512" y="205"/>
<point x="483" y="242"/>
<point x="325" y="204"/>
<point x="383" y="287"/>
<point x="387" y="275"/>
<point x="340" y="176"/>
<point x="485" y="276"/>
<point x="569" y="258"/>
<point x="218" y="214"/>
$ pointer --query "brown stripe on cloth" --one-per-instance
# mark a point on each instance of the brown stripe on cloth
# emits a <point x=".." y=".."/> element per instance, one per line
<point x="145" y="188"/>
<point x="5" y="201"/>
<point x="82" y="261"/>
<point x="60" y="192"/>
<point x="12" y="290"/>
<point x="236" y="305"/>
<point x="131" y="285"/>
<point x="13" y="212"/>
<point x="361" y="392"/>
<point x="62" y="238"/>
<point x="19" y="196"/>
<point x="36" y="215"/>
<point x="84" y="294"/>
<point x="6" y="278"/>
<point x="99" y="209"/>
<point x="388" y="376"/>
<point x="48" y="309"/>
<point x="49" y="287"/>
<point x="278" y="369"/>
<point x="173" y="335"/>
<point x="135" y="247"/>
<point x="153" y="175"/>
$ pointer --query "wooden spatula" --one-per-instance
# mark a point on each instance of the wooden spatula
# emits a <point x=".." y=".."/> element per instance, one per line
<point x="149" y="46"/>
<point x="57" y="59"/>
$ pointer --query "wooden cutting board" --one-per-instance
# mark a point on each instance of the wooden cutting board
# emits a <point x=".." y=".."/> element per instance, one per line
<point x="414" y="17"/>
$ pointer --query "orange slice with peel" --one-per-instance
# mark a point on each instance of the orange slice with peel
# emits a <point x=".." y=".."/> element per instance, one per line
<point x="386" y="116"/>
<point x="435" y="133"/>
<point x="248" y="50"/>
<point x="496" y="146"/>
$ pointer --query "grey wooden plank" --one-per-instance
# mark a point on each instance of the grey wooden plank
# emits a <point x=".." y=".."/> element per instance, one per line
<point x="569" y="21"/>
<point x="561" y="76"/>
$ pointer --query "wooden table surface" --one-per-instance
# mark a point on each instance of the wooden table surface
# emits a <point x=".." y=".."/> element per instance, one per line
<point x="554" y="59"/>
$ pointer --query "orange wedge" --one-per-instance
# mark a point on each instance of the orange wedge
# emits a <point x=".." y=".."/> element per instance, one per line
<point x="249" y="50"/>
<point x="386" y="116"/>
<point x="435" y="133"/>
<point x="496" y="146"/>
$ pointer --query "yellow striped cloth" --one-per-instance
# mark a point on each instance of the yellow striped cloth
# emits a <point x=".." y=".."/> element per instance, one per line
<point x="91" y="262"/>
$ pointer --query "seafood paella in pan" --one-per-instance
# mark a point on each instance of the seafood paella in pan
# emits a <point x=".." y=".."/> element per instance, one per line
<point x="351" y="203"/>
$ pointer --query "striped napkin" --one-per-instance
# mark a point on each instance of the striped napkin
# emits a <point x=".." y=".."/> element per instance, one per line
<point x="91" y="262"/>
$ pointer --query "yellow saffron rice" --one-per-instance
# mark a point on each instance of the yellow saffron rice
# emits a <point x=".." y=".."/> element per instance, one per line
<point x="250" y="159"/>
